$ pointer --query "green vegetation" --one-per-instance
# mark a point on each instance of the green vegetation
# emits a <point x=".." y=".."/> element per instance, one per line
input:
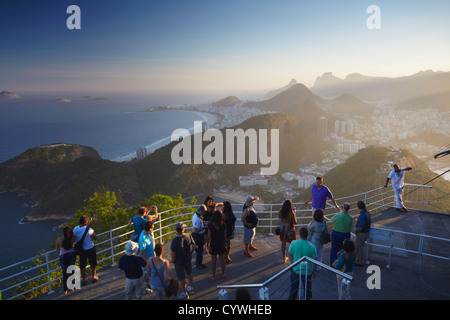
<point x="362" y="172"/>
<point x="109" y="214"/>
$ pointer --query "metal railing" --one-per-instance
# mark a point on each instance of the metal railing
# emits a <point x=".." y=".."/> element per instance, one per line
<point x="406" y="242"/>
<point x="282" y="290"/>
<point x="44" y="269"/>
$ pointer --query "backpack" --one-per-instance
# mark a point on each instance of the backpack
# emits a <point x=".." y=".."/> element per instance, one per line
<point x="192" y="247"/>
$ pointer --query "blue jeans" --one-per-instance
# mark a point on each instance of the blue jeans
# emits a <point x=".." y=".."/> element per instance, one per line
<point x="200" y="241"/>
<point x="66" y="260"/>
<point x="337" y="240"/>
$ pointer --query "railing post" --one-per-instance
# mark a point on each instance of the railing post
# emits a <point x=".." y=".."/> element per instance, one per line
<point x="48" y="275"/>
<point x="305" y="293"/>
<point x="264" y="293"/>
<point x="223" y="294"/>
<point x="345" y="290"/>
<point x="112" y="247"/>
<point x="160" y="229"/>
<point x="271" y="218"/>
<point x="420" y="252"/>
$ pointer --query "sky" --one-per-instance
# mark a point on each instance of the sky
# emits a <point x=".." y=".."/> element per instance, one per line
<point x="214" y="45"/>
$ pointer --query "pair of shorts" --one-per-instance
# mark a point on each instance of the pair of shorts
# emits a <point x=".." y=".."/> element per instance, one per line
<point x="249" y="235"/>
<point x="182" y="270"/>
<point x="159" y="290"/>
<point x="90" y="254"/>
<point x="134" y="288"/>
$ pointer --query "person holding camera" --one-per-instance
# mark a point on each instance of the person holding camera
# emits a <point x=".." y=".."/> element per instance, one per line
<point x="89" y="251"/>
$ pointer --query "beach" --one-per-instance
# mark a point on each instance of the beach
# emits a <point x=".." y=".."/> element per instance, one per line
<point x="209" y="118"/>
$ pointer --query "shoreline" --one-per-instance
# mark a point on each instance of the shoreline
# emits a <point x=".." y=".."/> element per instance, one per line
<point x="209" y="118"/>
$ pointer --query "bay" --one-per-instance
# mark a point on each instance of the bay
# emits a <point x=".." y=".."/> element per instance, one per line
<point x="115" y="127"/>
<point x="22" y="241"/>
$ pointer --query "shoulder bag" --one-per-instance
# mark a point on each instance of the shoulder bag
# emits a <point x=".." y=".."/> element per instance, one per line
<point x="78" y="247"/>
<point x="172" y="288"/>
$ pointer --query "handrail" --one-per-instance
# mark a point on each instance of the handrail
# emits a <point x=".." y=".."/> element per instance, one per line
<point x="282" y="272"/>
<point x="367" y="196"/>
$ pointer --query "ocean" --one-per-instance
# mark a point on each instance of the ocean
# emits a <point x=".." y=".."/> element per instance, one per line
<point x="115" y="127"/>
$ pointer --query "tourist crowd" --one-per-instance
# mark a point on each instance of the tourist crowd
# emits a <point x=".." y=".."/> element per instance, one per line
<point x="213" y="227"/>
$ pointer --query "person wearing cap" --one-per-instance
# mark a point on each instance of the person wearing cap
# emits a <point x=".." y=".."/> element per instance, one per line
<point x="250" y="219"/>
<point x="319" y="195"/>
<point x="198" y="233"/>
<point x="132" y="264"/>
<point x="181" y="255"/>
<point x="341" y="230"/>
<point x="397" y="177"/>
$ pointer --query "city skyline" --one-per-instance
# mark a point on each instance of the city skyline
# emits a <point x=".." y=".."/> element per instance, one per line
<point x="205" y="46"/>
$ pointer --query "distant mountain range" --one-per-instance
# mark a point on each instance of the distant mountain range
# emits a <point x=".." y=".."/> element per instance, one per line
<point x="358" y="94"/>
<point x="296" y="94"/>
<point x="423" y="89"/>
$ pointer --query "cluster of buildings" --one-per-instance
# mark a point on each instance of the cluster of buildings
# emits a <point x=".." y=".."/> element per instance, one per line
<point x="343" y="134"/>
<point x="396" y="124"/>
<point x="227" y="116"/>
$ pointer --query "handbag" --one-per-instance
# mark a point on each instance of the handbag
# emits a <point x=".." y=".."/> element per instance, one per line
<point x="343" y="268"/>
<point x="172" y="288"/>
<point x="78" y="247"/>
<point x="324" y="237"/>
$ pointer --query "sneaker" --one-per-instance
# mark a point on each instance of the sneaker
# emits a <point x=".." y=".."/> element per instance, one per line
<point x="190" y="290"/>
<point x="183" y="296"/>
<point x="202" y="266"/>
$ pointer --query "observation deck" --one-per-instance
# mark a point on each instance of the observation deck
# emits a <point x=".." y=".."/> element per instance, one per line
<point x="409" y="277"/>
<point x="413" y="256"/>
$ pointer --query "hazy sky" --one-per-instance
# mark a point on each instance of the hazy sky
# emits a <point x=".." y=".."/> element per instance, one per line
<point x="214" y="45"/>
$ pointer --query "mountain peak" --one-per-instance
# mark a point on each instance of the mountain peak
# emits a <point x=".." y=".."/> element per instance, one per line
<point x="227" y="102"/>
<point x="275" y="92"/>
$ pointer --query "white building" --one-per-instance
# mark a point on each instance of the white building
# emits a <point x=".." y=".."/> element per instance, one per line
<point x="141" y="153"/>
<point x="305" y="181"/>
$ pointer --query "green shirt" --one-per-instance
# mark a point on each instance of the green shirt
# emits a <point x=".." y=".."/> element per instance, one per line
<point x="342" y="222"/>
<point x="300" y="248"/>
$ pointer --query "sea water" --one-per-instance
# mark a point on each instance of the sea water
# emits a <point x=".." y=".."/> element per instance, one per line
<point x="115" y="127"/>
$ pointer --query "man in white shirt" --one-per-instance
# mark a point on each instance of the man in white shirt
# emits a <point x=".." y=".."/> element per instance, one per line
<point x="198" y="233"/>
<point x="397" y="176"/>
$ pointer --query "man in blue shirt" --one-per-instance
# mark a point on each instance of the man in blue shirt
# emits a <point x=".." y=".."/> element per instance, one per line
<point x="319" y="195"/>
<point x="362" y="232"/>
<point x="147" y="246"/>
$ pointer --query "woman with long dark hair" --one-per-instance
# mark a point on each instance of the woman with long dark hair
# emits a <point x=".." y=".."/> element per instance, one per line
<point x="230" y="221"/>
<point x="216" y="243"/>
<point x="288" y="220"/>
<point x="67" y="257"/>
